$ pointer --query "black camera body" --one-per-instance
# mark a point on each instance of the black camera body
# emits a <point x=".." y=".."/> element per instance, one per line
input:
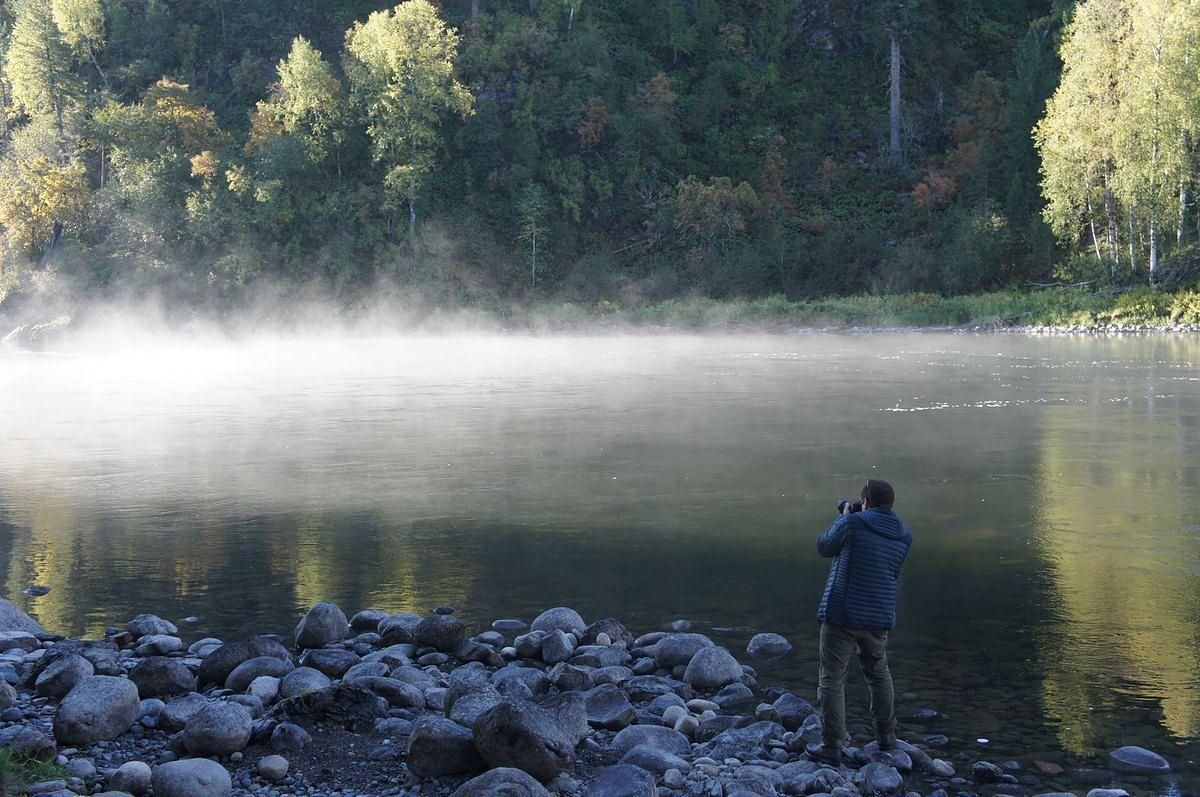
<point x="855" y="506"/>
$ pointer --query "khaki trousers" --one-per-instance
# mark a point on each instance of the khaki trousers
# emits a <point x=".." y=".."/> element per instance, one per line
<point x="838" y="644"/>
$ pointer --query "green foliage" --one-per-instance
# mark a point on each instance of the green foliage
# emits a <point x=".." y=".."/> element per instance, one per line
<point x="19" y="773"/>
<point x="38" y="64"/>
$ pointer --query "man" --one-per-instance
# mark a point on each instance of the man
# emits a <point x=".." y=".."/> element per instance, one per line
<point x="857" y="611"/>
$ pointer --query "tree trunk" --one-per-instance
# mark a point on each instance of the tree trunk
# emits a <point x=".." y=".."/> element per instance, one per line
<point x="1113" y="251"/>
<point x="1132" y="258"/>
<point x="474" y="9"/>
<point x="1087" y="197"/>
<point x="533" y="263"/>
<point x="894" y="88"/>
<point x="412" y="221"/>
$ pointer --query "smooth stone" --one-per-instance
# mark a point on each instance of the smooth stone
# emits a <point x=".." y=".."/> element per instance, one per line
<point x="534" y="679"/>
<point x="1138" y="759"/>
<point x="941" y="768"/>
<point x="654" y="760"/>
<point x="288" y="736"/>
<point x="399" y="629"/>
<point x="560" y="618"/>
<point x="676" y="649"/>
<point x="557" y="646"/>
<point x="218" y="664"/>
<point x="768" y="647"/>
<point x="219" y="728"/>
<point x="367" y="620"/>
<point x="879" y="779"/>
<point x="712" y="668"/>
<point x="62" y="674"/>
<point x="81" y="768"/>
<point x="395" y="692"/>
<point x="301" y="681"/>
<point x="439" y="747"/>
<point x="986" y="772"/>
<point x="194" y="777"/>
<point x="257" y="667"/>
<point x="510" y="628"/>
<point x="609" y="708"/>
<point x="265" y="688"/>
<point x="735" y="742"/>
<point x="624" y="780"/>
<point x="177" y="712"/>
<point x="441" y="631"/>
<point x="333" y="662"/>
<point x="158" y="645"/>
<point x="150" y="625"/>
<point x="323" y="624"/>
<point x="792" y="710"/>
<point x="273" y="767"/>
<point x="99" y="708"/>
<point x="132" y="776"/>
<point x="367" y="669"/>
<point x="734" y="696"/>
<point x="159" y="676"/>
<point x="1108" y="793"/>
<point x="666" y="739"/>
<point x="502" y="782"/>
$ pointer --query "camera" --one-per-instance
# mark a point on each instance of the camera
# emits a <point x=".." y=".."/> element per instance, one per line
<point x="855" y="506"/>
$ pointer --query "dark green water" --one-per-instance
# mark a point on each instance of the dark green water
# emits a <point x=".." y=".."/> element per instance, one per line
<point x="1051" y="603"/>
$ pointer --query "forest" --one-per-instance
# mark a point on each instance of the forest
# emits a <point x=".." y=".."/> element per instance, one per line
<point x="477" y="152"/>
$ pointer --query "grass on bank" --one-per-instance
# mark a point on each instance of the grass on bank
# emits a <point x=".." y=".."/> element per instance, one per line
<point x="18" y="773"/>
<point x="1055" y="307"/>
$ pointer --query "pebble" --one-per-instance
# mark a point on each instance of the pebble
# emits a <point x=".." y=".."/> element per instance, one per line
<point x="273" y="767"/>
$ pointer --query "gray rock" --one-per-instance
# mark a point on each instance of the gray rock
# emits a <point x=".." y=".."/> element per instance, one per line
<point x="502" y="782"/>
<point x="288" y="736"/>
<point x="879" y="779"/>
<point x="441" y="632"/>
<point x="675" y="649"/>
<point x="735" y="742"/>
<point x="158" y="645"/>
<point x="13" y="619"/>
<point x="610" y="627"/>
<point x="323" y="624"/>
<point x="273" y="767"/>
<point x="301" y="681"/>
<point x="609" y="708"/>
<point x="654" y="760"/>
<point x="399" y="629"/>
<point x="569" y="678"/>
<point x="439" y="746"/>
<point x="177" y="712"/>
<point x="367" y="669"/>
<point x="99" y="708"/>
<point x="792" y="710"/>
<point x="251" y="703"/>
<point x="417" y="677"/>
<point x="941" y="768"/>
<point x="768" y="647"/>
<point x="19" y="640"/>
<point x="346" y="704"/>
<point x="536" y="680"/>
<point x="159" y="676"/>
<point x="655" y="736"/>
<point x="334" y="662"/>
<point x="61" y="676"/>
<point x="648" y="687"/>
<point x="510" y="628"/>
<point x="265" y="688"/>
<point x="1108" y="793"/>
<point x="557" y="646"/>
<point x="469" y="705"/>
<point x="150" y="625"/>
<point x="559" y="619"/>
<point x="397" y="693"/>
<point x="986" y="772"/>
<point x="247" y="671"/>
<point x="220" y="728"/>
<point x="221" y="662"/>
<point x="28" y="743"/>
<point x="194" y="777"/>
<point x="367" y="620"/>
<point x="8" y="695"/>
<point x="571" y="713"/>
<point x="624" y="780"/>
<point x="712" y="668"/>
<point x="1137" y="759"/>
<point x="734" y="696"/>
<point x="524" y="736"/>
<point x="133" y="777"/>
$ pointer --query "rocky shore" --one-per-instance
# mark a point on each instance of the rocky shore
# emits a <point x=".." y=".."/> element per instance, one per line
<point x="401" y="704"/>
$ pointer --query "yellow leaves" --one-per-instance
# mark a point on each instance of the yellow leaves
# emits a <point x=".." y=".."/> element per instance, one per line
<point x="206" y="166"/>
<point x="186" y="122"/>
<point x="38" y="196"/>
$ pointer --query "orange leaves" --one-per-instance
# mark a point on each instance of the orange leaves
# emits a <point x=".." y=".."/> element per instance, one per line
<point x="593" y="123"/>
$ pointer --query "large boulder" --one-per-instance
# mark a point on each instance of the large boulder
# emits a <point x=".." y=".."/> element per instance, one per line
<point x="13" y="619"/>
<point x="570" y="711"/>
<point x="218" y="664"/>
<point x="99" y="708"/>
<point x="439" y="746"/>
<point x="159" y="676"/>
<point x="712" y="668"/>
<point x="247" y="671"/>
<point x="502" y="782"/>
<point x="323" y="624"/>
<point x="62" y="674"/>
<point x="349" y="705"/>
<point x="442" y="632"/>
<point x="560" y="619"/>
<point x="524" y="736"/>
<point x="219" y="728"/>
<point x="193" y="777"/>
<point x="768" y="647"/>
<point x="1138" y="759"/>
<point x="675" y="649"/>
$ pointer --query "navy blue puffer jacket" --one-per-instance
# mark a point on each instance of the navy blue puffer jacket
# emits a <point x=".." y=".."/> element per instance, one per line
<point x="868" y="548"/>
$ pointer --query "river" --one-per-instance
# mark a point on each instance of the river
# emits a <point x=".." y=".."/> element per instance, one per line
<point x="1050" y="605"/>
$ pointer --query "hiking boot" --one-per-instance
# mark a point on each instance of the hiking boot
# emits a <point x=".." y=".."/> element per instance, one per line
<point x="887" y="741"/>
<point x="825" y="753"/>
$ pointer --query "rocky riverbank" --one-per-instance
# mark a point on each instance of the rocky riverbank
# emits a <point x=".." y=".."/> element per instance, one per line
<point x="402" y="704"/>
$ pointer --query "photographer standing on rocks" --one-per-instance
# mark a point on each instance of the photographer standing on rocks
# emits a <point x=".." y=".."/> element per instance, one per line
<point x="868" y="544"/>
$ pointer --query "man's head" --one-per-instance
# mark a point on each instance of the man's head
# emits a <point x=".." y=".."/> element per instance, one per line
<point x="877" y="492"/>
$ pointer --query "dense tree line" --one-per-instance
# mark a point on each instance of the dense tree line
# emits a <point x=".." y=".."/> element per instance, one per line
<point x="583" y="149"/>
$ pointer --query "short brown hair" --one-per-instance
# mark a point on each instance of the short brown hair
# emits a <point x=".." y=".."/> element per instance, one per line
<point x="877" y="492"/>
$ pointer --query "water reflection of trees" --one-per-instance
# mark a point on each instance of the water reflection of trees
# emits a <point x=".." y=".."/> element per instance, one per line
<point x="1116" y="498"/>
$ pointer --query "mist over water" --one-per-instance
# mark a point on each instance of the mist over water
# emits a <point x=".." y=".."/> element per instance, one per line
<point x="1049" y="603"/>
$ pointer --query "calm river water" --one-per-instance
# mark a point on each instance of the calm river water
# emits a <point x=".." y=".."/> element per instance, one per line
<point x="1051" y="603"/>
